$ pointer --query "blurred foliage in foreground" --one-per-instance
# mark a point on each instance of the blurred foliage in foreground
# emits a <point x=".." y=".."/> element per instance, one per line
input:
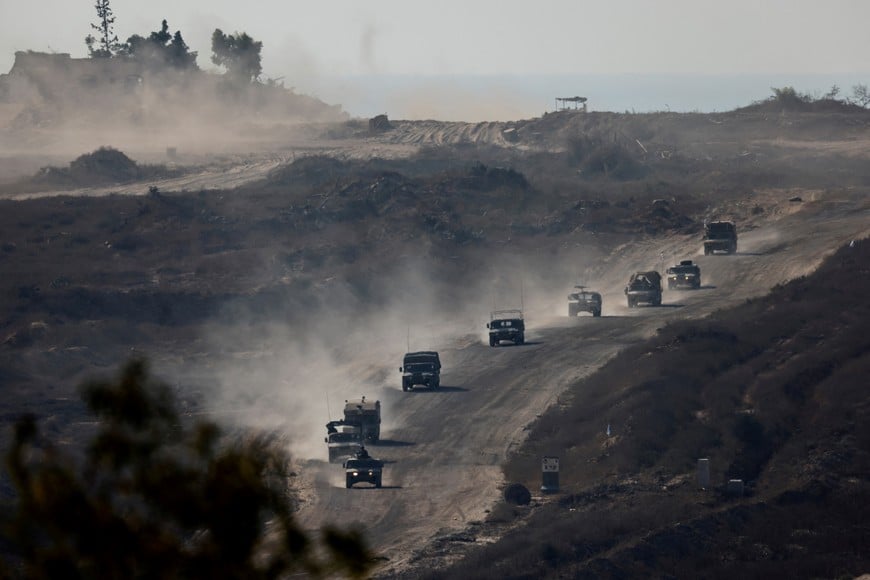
<point x="154" y="498"/>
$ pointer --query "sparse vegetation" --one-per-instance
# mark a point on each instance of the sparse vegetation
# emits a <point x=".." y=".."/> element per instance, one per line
<point x="106" y="43"/>
<point x="155" y="497"/>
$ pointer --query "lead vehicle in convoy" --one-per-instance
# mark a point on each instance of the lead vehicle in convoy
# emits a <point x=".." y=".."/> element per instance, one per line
<point x="720" y="237"/>
<point x="363" y="468"/>
<point x="584" y="300"/>
<point x="644" y="287"/>
<point x="506" y="325"/>
<point x="421" y="368"/>
<point x="686" y="274"/>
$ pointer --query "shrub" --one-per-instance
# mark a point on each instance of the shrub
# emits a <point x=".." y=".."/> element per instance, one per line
<point x="157" y="499"/>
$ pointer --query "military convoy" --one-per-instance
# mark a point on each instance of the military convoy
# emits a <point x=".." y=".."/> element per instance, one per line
<point x="686" y="274"/>
<point x="506" y="325"/>
<point x="644" y="288"/>
<point x="346" y="437"/>
<point x="422" y="368"/>
<point x="720" y="237"/>
<point x="584" y="301"/>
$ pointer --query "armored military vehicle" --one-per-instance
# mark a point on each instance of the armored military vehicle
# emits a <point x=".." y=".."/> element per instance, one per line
<point x="363" y="468"/>
<point x="644" y="287"/>
<point x="422" y="368"/>
<point x="686" y="274"/>
<point x="361" y="414"/>
<point x="343" y="442"/>
<point x="366" y="415"/>
<point x="584" y="301"/>
<point x="720" y="237"/>
<point x="506" y="325"/>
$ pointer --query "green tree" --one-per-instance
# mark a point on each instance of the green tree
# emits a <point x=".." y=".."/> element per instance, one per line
<point x="154" y="498"/>
<point x="861" y="95"/>
<point x="161" y="49"/>
<point x="238" y="53"/>
<point x="105" y="44"/>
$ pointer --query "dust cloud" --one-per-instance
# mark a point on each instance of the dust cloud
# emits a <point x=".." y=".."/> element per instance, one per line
<point x="53" y="106"/>
<point x="293" y="376"/>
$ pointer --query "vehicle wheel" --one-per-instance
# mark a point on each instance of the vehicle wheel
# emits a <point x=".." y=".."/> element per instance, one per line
<point x="706" y="251"/>
<point x="521" y="339"/>
<point x="378" y="483"/>
<point x="596" y="313"/>
<point x="348" y="483"/>
<point x="404" y="387"/>
<point x="630" y="303"/>
<point x="493" y="342"/>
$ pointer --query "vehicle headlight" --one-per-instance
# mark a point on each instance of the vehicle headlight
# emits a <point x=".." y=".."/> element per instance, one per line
<point x="354" y="474"/>
<point x="371" y="472"/>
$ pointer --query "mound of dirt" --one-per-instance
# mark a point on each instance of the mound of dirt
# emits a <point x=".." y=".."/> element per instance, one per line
<point x="104" y="164"/>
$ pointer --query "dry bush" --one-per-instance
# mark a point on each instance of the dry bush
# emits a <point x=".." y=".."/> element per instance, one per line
<point x="156" y="498"/>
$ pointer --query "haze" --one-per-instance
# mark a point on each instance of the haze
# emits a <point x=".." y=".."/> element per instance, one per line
<point x="342" y="51"/>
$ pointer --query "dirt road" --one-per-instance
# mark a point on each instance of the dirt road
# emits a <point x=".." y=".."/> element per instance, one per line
<point x="445" y="447"/>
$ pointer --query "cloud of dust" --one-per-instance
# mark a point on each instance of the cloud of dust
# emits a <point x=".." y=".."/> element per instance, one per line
<point x="59" y="107"/>
<point x="448" y="99"/>
<point x="293" y="377"/>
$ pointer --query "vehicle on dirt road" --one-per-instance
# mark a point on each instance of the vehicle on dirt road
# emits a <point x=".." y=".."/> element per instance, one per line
<point x="686" y="274"/>
<point x="363" y="468"/>
<point x="644" y="288"/>
<point x="720" y="237"/>
<point x="584" y="301"/>
<point x="361" y="414"/>
<point x="421" y="368"/>
<point x="343" y="442"/>
<point x="506" y="325"/>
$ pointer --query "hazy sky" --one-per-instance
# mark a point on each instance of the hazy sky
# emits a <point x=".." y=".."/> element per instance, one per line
<point x="311" y="39"/>
<point x="482" y="36"/>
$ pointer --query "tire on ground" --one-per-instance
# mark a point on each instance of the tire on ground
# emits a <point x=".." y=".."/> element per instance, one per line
<point x="517" y="494"/>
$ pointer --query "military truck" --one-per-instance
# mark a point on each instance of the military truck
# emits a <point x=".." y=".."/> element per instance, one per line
<point x="720" y="237"/>
<point x="584" y="301"/>
<point x="364" y="415"/>
<point x="363" y="468"/>
<point x="343" y="442"/>
<point x="686" y="274"/>
<point x="506" y="325"/>
<point x="644" y="287"/>
<point x="421" y="368"/>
